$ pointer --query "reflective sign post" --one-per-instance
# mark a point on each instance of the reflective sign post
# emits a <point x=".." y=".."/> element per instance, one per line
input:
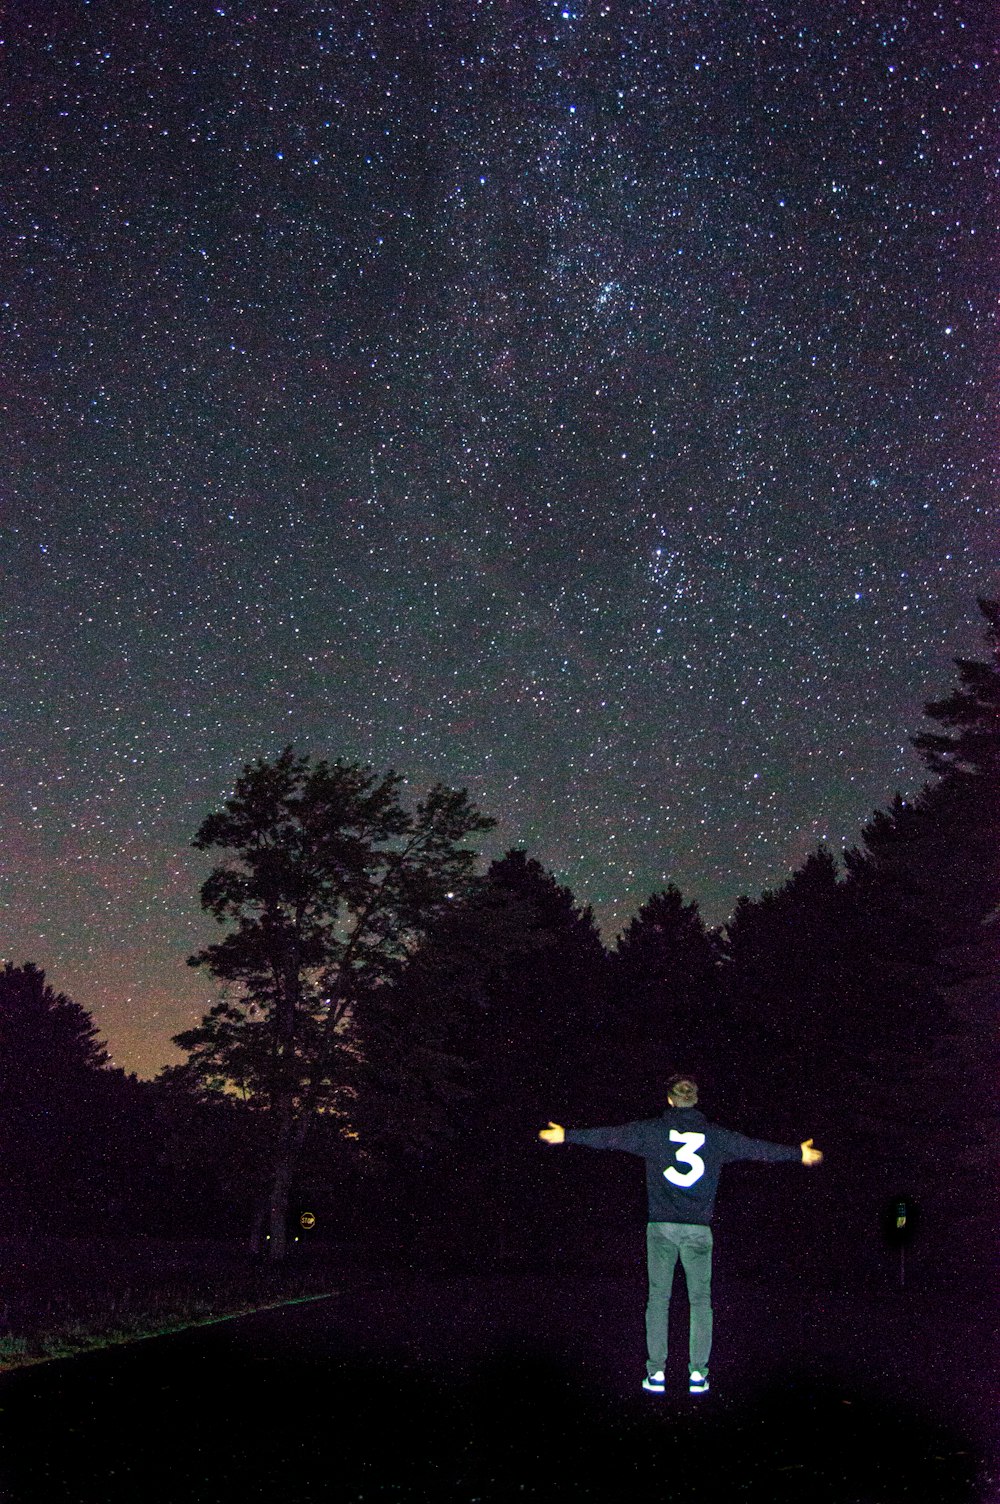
<point x="899" y="1222"/>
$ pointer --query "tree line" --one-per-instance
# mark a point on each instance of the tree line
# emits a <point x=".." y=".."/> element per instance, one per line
<point x="394" y="1026"/>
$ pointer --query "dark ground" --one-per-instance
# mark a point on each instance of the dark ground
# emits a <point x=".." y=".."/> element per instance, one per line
<point x="520" y="1387"/>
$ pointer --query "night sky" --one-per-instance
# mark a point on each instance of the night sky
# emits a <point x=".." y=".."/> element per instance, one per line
<point x="587" y="404"/>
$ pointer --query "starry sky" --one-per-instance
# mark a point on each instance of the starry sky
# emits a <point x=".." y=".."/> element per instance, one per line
<point x="584" y="403"/>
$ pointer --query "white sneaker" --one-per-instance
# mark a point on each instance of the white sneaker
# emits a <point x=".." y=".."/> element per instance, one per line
<point x="698" y="1383"/>
<point x="654" y="1382"/>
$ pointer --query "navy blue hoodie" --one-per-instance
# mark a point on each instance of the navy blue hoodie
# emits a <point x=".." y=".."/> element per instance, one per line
<point x="684" y="1154"/>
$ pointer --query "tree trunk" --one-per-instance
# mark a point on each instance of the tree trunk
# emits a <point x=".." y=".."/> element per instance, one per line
<point x="283" y="1164"/>
<point x="273" y="1218"/>
<point x="277" y="1211"/>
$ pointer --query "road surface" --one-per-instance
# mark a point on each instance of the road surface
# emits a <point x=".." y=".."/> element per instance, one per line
<point x="513" y="1388"/>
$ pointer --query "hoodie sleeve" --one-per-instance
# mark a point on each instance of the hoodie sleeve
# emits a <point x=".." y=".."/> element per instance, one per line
<point x="737" y="1146"/>
<point x="630" y="1138"/>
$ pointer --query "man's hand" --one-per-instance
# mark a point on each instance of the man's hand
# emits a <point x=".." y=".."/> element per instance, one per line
<point x="553" y="1134"/>
<point x="810" y="1156"/>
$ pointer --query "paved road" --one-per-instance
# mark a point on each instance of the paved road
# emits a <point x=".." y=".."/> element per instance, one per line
<point x="506" y="1390"/>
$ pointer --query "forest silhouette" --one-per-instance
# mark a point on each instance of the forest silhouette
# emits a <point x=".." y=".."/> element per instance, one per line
<point x="396" y="1028"/>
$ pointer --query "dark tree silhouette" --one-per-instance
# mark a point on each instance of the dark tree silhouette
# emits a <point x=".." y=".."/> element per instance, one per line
<point x="537" y="1000"/>
<point x="511" y="985"/>
<point x="925" y="889"/>
<point x="45" y="1037"/>
<point x="328" y="883"/>
<point x="206" y="1156"/>
<point x="65" y="1114"/>
<point x="789" y="981"/>
<point x="666" y="1006"/>
<point x="794" y="986"/>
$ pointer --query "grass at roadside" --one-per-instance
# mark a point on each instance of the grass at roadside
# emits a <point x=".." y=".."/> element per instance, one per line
<point x="60" y="1296"/>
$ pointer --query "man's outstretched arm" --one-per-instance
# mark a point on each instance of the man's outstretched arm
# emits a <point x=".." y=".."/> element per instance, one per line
<point x="738" y="1146"/>
<point x="630" y="1138"/>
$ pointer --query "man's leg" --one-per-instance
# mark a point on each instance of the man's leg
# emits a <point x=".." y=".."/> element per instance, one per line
<point x="696" y="1256"/>
<point x="661" y="1259"/>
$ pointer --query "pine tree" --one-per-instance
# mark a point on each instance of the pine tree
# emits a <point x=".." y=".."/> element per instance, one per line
<point x="789" y="982"/>
<point x="665" y="1007"/>
<point x="927" y="886"/>
<point x="519" y="968"/>
<point x="515" y="976"/>
<point x="66" y="1115"/>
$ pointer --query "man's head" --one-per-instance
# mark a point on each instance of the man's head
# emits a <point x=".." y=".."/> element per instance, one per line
<point x="682" y="1092"/>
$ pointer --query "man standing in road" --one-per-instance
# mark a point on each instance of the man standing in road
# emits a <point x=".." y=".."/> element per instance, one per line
<point x="684" y="1155"/>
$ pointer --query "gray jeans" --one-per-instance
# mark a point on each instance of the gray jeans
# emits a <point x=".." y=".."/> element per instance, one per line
<point x="665" y="1241"/>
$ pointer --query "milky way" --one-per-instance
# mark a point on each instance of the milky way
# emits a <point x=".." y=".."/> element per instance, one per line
<point x="585" y="404"/>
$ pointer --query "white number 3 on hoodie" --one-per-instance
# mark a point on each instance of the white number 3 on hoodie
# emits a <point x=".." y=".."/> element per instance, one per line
<point x="688" y="1155"/>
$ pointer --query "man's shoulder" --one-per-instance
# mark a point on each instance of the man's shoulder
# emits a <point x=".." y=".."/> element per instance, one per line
<point x="685" y="1117"/>
<point x="691" y="1120"/>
